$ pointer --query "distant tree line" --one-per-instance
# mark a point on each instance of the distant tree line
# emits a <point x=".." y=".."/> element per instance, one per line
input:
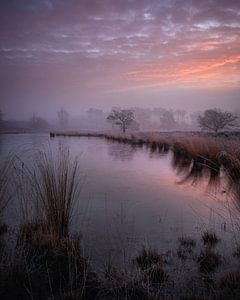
<point x="214" y="120"/>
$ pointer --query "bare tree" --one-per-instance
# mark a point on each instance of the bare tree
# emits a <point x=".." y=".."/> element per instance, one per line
<point x="121" y="117"/>
<point x="215" y="120"/>
<point x="63" y="117"/>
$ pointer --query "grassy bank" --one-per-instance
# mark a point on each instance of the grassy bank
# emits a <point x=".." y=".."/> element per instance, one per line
<point x="194" y="143"/>
<point x="193" y="153"/>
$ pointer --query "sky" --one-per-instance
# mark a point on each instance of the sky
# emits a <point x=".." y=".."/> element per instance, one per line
<point x="102" y="53"/>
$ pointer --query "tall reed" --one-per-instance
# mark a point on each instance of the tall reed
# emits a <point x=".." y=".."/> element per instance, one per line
<point x="55" y="187"/>
<point x="5" y="173"/>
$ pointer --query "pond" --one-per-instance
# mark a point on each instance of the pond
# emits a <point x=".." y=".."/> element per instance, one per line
<point x="131" y="197"/>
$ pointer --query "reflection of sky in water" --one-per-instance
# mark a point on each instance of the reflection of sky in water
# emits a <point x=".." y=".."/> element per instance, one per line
<point x="129" y="196"/>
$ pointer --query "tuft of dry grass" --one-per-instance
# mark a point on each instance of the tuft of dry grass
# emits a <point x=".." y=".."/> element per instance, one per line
<point x="230" y="281"/>
<point x="5" y="174"/>
<point x="236" y="253"/>
<point x="156" y="275"/>
<point x="55" y="186"/>
<point x="187" y="242"/>
<point x="148" y="258"/>
<point x="210" y="239"/>
<point x="43" y="267"/>
<point x="5" y="195"/>
<point x="185" y="249"/>
<point x="209" y="260"/>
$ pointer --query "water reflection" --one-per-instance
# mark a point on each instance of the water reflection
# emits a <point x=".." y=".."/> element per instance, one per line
<point x="196" y="170"/>
<point x="122" y="152"/>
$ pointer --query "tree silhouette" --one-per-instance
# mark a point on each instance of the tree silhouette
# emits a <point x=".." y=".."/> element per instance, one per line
<point x="216" y="120"/>
<point x="121" y="117"/>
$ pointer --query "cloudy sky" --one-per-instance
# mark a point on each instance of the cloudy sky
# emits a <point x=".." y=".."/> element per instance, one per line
<point x="104" y="53"/>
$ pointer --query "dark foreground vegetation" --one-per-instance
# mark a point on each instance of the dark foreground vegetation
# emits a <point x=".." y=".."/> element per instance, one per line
<point x="43" y="266"/>
<point x="41" y="259"/>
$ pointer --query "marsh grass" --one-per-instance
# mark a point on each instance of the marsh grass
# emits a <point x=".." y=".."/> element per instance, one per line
<point x="230" y="283"/>
<point x="186" y="246"/>
<point x="209" y="260"/>
<point x="57" y="190"/>
<point x="47" y="261"/>
<point x="210" y="239"/>
<point x="187" y="242"/>
<point x="43" y="267"/>
<point x="54" y="189"/>
<point x="148" y="258"/>
<point x="231" y="165"/>
<point x="236" y="253"/>
<point x="6" y="169"/>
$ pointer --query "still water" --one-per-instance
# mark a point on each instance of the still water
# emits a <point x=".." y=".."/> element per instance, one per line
<point x="131" y="197"/>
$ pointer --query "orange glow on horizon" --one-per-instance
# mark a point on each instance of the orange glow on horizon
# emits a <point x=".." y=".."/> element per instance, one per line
<point x="212" y="72"/>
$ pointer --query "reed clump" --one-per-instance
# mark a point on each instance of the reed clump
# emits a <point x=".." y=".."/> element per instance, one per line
<point x="43" y="266"/>
<point x="209" y="260"/>
<point x="151" y="263"/>
<point x="55" y="187"/>
<point x="187" y="242"/>
<point x="148" y="258"/>
<point x="156" y="275"/>
<point x="229" y="286"/>
<point x="5" y="175"/>
<point x="186" y="246"/>
<point x="210" y="239"/>
<point x="231" y="281"/>
<point x="236" y="253"/>
<point x="5" y="196"/>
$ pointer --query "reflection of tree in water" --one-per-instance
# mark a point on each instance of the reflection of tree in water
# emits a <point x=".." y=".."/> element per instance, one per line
<point x="119" y="151"/>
